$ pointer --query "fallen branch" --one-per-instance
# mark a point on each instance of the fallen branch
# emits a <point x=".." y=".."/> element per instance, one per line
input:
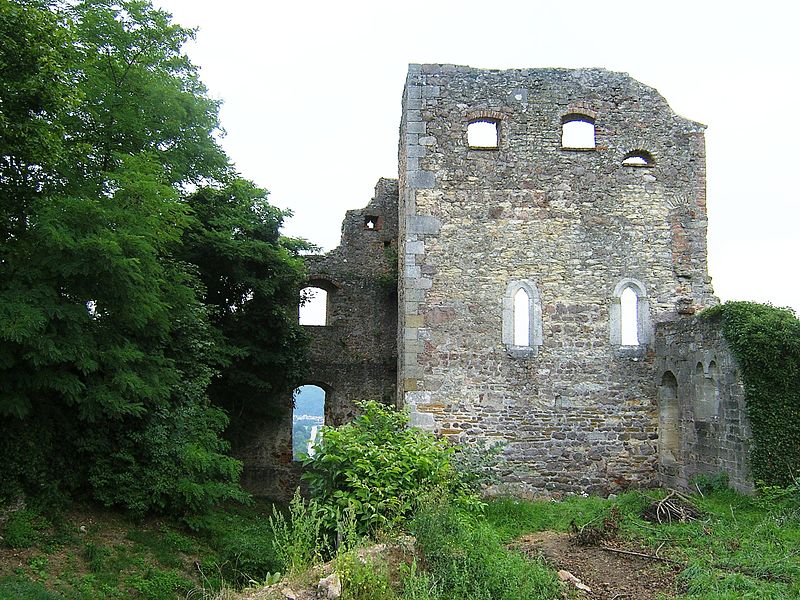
<point x="641" y="555"/>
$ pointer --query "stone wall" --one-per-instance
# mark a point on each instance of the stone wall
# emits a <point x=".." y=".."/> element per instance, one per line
<point x="576" y="407"/>
<point x="534" y="230"/>
<point x="702" y="412"/>
<point x="353" y="356"/>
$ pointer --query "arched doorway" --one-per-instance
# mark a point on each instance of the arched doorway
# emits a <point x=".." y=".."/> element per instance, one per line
<point x="308" y="417"/>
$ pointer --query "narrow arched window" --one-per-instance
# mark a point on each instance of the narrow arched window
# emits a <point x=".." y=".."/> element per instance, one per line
<point x="577" y="132"/>
<point x="483" y="134"/>
<point x="313" y="306"/>
<point x="630" y="326"/>
<point x="522" y="321"/>
<point x="629" y="323"/>
<point x="308" y="417"/>
<point x="522" y="318"/>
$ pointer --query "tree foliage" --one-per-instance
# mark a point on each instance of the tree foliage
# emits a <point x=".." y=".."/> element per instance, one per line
<point x="251" y="276"/>
<point x="112" y="329"/>
<point x="766" y="343"/>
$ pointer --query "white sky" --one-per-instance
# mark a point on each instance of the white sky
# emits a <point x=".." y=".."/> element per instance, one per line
<point x="312" y="95"/>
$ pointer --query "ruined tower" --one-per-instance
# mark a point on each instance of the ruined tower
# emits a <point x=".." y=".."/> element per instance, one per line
<point x="549" y="233"/>
<point x="536" y="208"/>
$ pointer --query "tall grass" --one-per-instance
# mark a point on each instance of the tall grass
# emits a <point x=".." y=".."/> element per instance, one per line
<point x="465" y="558"/>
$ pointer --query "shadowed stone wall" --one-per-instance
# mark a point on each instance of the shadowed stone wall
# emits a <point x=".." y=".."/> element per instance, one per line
<point x="576" y="408"/>
<point x="353" y="356"/>
<point x="701" y="405"/>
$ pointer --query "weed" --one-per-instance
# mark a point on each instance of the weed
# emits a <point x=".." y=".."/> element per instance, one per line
<point x="711" y="483"/>
<point x="243" y="546"/>
<point x="164" y="544"/>
<point x="418" y="585"/>
<point x="157" y="584"/>
<point x="38" y="565"/>
<point x="775" y="496"/>
<point x="298" y="541"/>
<point x="19" y="588"/>
<point x="467" y="559"/>
<point x="511" y="517"/>
<point x="363" y="579"/>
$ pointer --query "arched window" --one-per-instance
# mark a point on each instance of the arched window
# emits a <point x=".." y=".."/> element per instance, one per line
<point x="577" y="132"/>
<point x="629" y="318"/>
<point x="483" y="134"/>
<point x="522" y="318"/>
<point x="668" y="421"/>
<point x="638" y="158"/>
<point x="313" y="306"/>
<point x="307" y="418"/>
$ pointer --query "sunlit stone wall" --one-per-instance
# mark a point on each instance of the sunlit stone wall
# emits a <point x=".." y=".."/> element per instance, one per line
<point x="576" y="408"/>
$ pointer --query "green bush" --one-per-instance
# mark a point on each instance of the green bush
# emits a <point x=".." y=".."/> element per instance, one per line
<point x="766" y="343"/>
<point x="171" y="461"/>
<point x="379" y="467"/>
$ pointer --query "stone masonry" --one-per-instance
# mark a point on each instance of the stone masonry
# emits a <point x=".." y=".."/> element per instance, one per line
<point x="703" y="425"/>
<point x="516" y="257"/>
<point x="577" y="412"/>
<point x="353" y="356"/>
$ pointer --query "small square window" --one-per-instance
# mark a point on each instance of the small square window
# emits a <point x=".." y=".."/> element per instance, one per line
<point x="577" y="132"/>
<point x="483" y="134"/>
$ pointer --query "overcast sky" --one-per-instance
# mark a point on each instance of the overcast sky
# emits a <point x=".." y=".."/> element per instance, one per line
<point x="312" y="93"/>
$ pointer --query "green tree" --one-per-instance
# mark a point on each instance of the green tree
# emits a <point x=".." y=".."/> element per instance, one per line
<point x="107" y="345"/>
<point x="252" y="278"/>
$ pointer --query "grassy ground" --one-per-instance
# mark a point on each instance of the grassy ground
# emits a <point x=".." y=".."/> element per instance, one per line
<point x="90" y="553"/>
<point x="739" y="548"/>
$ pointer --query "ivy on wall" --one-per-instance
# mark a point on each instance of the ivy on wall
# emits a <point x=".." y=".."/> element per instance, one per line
<point x="766" y="342"/>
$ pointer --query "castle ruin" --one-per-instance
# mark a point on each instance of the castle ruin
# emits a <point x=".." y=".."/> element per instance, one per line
<point x="549" y="228"/>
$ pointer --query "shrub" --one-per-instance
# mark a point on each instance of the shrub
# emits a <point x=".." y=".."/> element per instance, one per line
<point x="766" y="343"/>
<point x="379" y="467"/>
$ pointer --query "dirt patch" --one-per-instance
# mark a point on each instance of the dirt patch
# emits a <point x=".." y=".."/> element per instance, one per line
<point x="610" y="575"/>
